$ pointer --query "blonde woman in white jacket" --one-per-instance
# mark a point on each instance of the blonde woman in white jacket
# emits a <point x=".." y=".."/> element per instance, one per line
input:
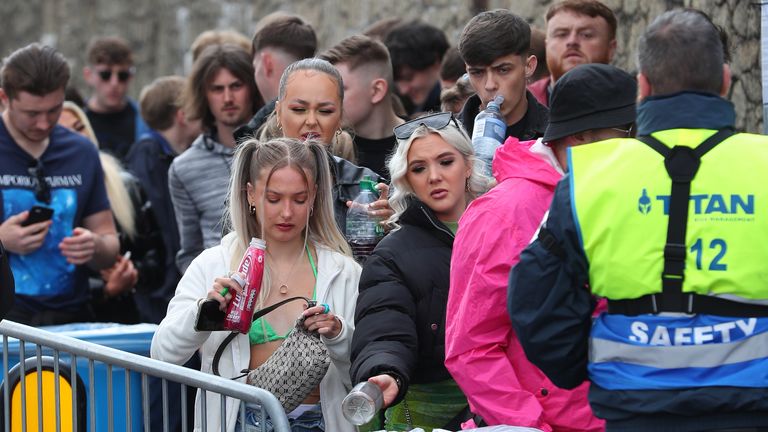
<point x="280" y="191"/>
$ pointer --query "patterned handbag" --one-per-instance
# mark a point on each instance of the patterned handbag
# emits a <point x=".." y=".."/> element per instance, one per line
<point x="295" y="368"/>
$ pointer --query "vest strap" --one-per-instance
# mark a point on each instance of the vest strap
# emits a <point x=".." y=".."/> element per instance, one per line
<point x="682" y="164"/>
<point x="550" y="243"/>
<point x="692" y="304"/>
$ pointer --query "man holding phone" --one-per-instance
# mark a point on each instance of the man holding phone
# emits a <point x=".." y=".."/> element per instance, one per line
<point x="55" y="213"/>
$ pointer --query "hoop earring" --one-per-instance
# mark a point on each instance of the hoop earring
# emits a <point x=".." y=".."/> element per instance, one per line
<point x="466" y="185"/>
<point x="252" y="210"/>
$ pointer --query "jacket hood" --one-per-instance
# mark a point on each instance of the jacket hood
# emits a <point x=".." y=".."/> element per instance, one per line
<point x="207" y="142"/>
<point x="529" y="160"/>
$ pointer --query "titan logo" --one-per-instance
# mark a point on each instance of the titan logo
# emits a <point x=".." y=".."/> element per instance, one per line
<point x="644" y="203"/>
<point x="704" y="203"/>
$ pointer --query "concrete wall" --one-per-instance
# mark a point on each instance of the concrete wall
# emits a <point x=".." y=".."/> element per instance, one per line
<point x="161" y="31"/>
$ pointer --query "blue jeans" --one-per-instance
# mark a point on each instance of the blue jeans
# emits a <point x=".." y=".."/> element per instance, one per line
<point x="309" y="421"/>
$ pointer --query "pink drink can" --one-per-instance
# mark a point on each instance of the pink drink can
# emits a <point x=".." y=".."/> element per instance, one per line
<point x="240" y="309"/>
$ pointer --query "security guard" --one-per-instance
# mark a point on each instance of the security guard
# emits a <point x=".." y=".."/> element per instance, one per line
<point x="671" y="228"/>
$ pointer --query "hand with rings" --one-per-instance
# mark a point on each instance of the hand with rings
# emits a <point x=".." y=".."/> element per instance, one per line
<point x="319" y="318"/>
<point x="224" y="288"/>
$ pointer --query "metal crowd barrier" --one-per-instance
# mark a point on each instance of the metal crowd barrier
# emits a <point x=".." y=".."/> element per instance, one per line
<point x="71" y="350"/>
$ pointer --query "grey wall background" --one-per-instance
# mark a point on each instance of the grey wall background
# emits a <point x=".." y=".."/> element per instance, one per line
<point x="162" y="31"/>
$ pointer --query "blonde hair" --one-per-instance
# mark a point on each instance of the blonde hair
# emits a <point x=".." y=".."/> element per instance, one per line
<point x="308" y="158"/>
<point x="118" y="194"/>
<point x="80" y="114"/>
<point x="342" y="144"/>
<point x="119" y="197"/>
<point x="478" y="183"/>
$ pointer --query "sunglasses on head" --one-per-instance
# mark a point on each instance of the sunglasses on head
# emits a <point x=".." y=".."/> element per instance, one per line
<point x="42" y="189"/>
<point x="435" y="121"/>
<point x="122" y="75"/>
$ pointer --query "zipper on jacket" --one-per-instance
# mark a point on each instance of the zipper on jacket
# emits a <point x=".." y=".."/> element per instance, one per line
<point x="429" y="218"/>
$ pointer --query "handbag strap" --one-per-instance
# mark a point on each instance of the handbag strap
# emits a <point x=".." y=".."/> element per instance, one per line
<point x="258" y="314"/>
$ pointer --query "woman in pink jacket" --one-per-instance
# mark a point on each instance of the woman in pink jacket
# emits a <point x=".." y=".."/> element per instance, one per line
<point x="483" y="353"/>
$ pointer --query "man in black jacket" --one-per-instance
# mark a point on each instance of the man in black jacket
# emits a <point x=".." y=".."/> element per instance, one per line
<point x="494" y="46"/>
<point x="149" y="160"/>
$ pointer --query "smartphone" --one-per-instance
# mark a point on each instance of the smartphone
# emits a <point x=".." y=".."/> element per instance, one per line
<point x="209" y="317"/>
<point x="38" y="214"/>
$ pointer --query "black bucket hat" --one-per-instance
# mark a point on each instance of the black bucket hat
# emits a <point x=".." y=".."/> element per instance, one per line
<point x="591" y="96"/>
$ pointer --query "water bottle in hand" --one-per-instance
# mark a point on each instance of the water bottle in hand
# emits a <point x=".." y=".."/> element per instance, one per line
<point x="489" y="133"/>
<point x="362" y="403"/>
<point x="363" y="230"/>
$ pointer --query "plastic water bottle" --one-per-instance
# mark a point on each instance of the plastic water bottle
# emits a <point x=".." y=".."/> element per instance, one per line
<point x="363" y="230"/>
<point x="489" y="132"/>
<point x="362" y="403"/>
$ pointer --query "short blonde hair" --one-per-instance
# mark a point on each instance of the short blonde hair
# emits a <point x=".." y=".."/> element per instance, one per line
<point x="478" y="183"/>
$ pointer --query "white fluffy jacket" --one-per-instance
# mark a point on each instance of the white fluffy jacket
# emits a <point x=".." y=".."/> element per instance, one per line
<point x="175" y="340"/>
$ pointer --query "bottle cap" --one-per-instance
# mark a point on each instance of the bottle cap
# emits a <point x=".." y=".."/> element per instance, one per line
<point x="496" y="103"/>
<point x="367" y="184"/>
<point x="258" y="243"/>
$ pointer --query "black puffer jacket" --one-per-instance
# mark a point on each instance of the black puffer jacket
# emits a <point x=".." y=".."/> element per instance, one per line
<point x="400" y="314"/>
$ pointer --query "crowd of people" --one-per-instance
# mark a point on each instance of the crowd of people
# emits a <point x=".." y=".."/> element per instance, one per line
<point x="606" y="277"/>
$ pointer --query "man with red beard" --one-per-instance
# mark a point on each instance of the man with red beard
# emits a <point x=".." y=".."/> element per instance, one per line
<point x="222" y="93"/>
<point x="578" y="32"/>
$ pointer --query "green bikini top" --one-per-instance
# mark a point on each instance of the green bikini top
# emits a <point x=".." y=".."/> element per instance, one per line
<point x="261" y="331"/>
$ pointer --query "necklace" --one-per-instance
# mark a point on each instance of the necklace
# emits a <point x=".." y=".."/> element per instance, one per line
<point x="283" y="280"/>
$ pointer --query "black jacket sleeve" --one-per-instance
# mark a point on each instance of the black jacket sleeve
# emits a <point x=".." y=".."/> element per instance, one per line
<point x="549" y="300"/>
<point x="385" y="338"/>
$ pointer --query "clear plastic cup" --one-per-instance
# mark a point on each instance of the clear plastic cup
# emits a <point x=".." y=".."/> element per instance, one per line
<point x="362" y="403"/>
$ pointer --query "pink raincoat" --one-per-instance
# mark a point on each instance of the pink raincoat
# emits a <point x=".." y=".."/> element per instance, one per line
<point x="482" y="351"/>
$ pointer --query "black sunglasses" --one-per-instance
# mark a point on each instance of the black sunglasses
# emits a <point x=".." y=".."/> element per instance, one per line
<point x="42" y="189"/>
<point x="122" y="75"/>
<point x="435" y="121"/>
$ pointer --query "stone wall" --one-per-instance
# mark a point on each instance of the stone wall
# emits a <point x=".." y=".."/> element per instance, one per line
<point x="161" y="31"/>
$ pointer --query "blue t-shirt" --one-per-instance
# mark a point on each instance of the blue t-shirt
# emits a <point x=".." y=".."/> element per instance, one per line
<point x="71" y="166"/>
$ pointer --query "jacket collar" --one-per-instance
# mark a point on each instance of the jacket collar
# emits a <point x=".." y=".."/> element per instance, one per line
<point x="329" y="266"/>
<point x="536" y="118"/>
<point x="208" y="142"/>
<point x="684" y="110"/>
<point x="164" y="144"/>
<point x="419" y="214"/>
